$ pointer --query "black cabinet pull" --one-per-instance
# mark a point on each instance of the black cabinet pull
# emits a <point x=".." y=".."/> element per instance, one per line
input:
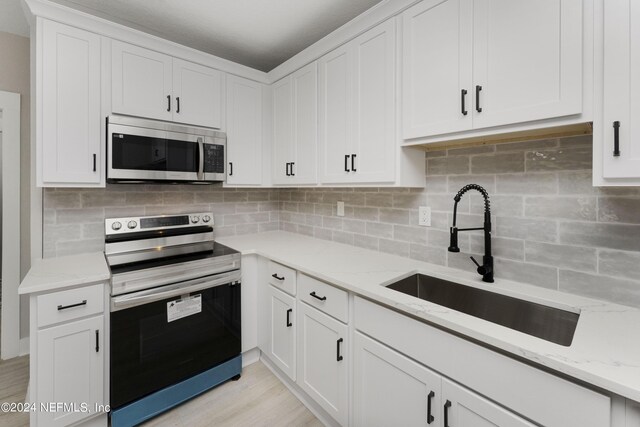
<point x="97" y="340"/>
<point x="177" y="104"/>
<point x="289" y="324"/>
<point x="429" y="398"/>
<point x="230" y="168"/>
<point x="64" y="307"/>
<point x="94" y="162"/>
<point x="463" y="97"/>
<point x="478" y="108"/>
<point x="168" y="102"/>
<point x="346" y="163"/>
<point x="287" y="169"/>
<point x="292" y="172"/>
<point x="338" y="355"/>
<point x="313" y="294"/>
<point x="275" y="276"/>
<point x="447" y="405"/>
<point x="353" y="163"/>
<point x="616" y="138"/>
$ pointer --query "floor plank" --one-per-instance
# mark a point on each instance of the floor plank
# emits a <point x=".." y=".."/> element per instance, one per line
<point x="14" y="379"/>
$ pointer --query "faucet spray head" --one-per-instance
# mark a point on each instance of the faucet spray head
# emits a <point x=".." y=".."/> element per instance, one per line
<point x="453" y="242"/>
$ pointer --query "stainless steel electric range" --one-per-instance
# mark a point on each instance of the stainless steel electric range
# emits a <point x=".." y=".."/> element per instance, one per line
<point x="175" y="313"/>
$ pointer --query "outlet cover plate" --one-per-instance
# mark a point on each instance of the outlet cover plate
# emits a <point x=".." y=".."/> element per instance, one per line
<point x="340" y="209"/>
<point x="424" y="216"/>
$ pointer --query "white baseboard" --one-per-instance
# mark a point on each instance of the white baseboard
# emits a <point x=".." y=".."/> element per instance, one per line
<point x="250" y="357"/>
<point x="24" y="346"/>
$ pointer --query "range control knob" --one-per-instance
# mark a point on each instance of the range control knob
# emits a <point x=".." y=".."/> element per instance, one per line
<point x="206" y="218"/>
<point x="195" y="219"/>
<point x="116" y="226"/>
<point x="132" y="224"/>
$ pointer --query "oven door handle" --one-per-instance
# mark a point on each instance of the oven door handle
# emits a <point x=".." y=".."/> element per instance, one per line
<point x="157" y="294"/>
<point x="200" y="159"/>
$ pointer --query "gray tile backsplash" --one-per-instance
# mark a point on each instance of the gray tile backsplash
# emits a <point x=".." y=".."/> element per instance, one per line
<point x="551" y="227"/>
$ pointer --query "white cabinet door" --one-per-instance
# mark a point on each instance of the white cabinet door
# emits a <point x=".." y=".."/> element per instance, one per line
<point x="69" y="140"/>
<point x="621" y="93"/>
<point x="527" y="60"/>
<point x="374" y="107"/>
<point x="323" y="359"/>
<point x="198" y="94"/>
<point x="282" y="130"/>
<point x="282" y="319"/>
<point x="244" y="131"/>
<point x="70" y="368"/>
<point x="334" y="117"/>
<point x="305" y="124"/>
<point x="141" y="82"/>
<point x="391" y="390"/>
<point x="466" y="409"/>
<point x="436" y="67"/>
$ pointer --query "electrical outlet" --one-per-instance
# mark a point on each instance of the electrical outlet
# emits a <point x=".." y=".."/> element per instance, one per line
<point x="340" y="209"/>
<point x="424" y="216"/>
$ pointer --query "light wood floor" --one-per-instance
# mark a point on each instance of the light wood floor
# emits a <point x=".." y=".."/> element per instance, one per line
<point x="257" y="399"/>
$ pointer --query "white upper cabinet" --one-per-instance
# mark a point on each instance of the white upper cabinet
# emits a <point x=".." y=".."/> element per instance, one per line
<point x="501" y="62"/>
<point x="68" y="107"/>
<point x="621" y="91"/>
<point x="244" y="131"/>
<point x="141" y="82"/>
<point x="149" y="84"/>
<point x="437" y="74"/>
<point x="295" y="129"/>
<point x="357" y="140"/>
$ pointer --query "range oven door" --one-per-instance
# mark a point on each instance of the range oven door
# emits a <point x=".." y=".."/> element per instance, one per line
<point x="153" y="347"/>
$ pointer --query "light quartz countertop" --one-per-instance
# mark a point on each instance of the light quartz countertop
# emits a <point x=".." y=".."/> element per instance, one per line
<point x="52" y="274"/>
<point x="606" y="346"/>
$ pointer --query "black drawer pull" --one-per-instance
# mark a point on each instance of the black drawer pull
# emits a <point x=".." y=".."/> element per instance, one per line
<point x="230" y="168"/>
<point x="478" y="108"/>
<point x="275" y="276"/>
<point x="616" y="138"/>
<point x="353" y="163"/>
<point x="313" y="294"/>
<point x="97" y="340"/>
<point x="168" y="102"/>
<point x="338" y="355"/>
<point x="287" y="169"/>
<point x="429" y="398"/>
<point x="346" y="163"/>
<point x="94" y="162"/>
<point x="463" y="97"/>
<point x="289" y="324"/>
<point x="447" y="405"/>
<point x="292" y="172"/>
<point x="64" y="307"/>
<point x="177" y="104"/>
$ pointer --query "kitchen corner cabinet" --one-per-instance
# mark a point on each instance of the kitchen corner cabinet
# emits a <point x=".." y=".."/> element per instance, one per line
<point x="357" y="133"/>
<point x="244" y="131"/>
<point x="282" y="331"/>
<point x="618" y="138"/>
<point x="486" y="63"/>
<point x="149" y="84"/>
<point x="68" y="143"/>
<point x="295" y="113"/>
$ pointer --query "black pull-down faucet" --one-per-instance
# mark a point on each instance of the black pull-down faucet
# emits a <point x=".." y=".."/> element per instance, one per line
<point x="486" y="269"/>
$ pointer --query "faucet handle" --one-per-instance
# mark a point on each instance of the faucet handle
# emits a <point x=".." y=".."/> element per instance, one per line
<point x="481" y="268"/>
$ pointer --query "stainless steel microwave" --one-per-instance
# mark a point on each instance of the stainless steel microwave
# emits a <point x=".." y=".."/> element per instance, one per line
<point x="141" y="150"/>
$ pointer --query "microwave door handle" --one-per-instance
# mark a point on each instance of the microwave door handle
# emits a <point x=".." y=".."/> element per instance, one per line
<point x="200" y="160"/>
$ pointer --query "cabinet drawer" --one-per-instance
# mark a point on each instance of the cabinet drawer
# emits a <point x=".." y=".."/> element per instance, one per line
<point x="324" y="297"/>
<point x="62" y="306"/>
<point x="282" y="277"/>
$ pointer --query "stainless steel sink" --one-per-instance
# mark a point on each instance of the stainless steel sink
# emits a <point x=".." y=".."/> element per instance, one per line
<point x="549" y="323"/>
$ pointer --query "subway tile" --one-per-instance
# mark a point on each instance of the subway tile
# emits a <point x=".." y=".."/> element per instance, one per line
<point x="79" y="246"/>
<point x="527" y="145"/>
<point x="540" y="230"/>
<point x="394" y="216"/>
<point x="246" y="218"/>
<point x="409" y="200"/>
<point x="620" y="264"/>
<point x="367" y="242"/>
<point x="575" y="141"/>
<point x="498" y="163"/>
<point x="342" y="237"/>
<point x="563" y="256"/>
<point x="501" y="205"/>
<point x="66" y="232"/>
<point x="322" y="233"/>
<point x="619" y="209"/>
<point x="100" y="199"/>
<point x="445" y="202"/>
<point x="178" y="198"/>
<point x="611" y="236"/>
<point x="621" y="291"/>
<point x="576" y="183"/>
<point x="436" y="184"/>
<point x="246" y="207"/>
<point x="313" y="220"/>
<point x="290" y="227"/>
<point x="306" y="230"/>
<point x="354" y="225"/>
<point x="394" y="247"/>
<point x="257" y="196"/>
<point x="461" y="261"/>
<point x="466" y="151"/>
<point x="332" y="223"/>
<point x="410" y="234"/>
<point x="268" y="226"/>
<point x="290" y="206"/>
<point x="365" y="213"/>
<point x="379" y="199"/>
<point x="247" y="228"/>
<point x="61" y="200"/>
<point x="539" y="275"/>
<point x="209" y="197"/>
<point x="378" y="229"/>
<point x="448" y="165"/>
<point x="529" y="183"/>
<point x="561" y="159"/>
<point x="93" y="231"/>
<point x="79" y="216"/>
<point x="458" y="181"/>
<point x="428" y="254"/>
<point x="574" y="208"/>
<point x="236" y="196"/>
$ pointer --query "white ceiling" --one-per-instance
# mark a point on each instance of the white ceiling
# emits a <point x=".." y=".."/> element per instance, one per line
<point x="12" y="18"/>
<point x="261" y="34"/>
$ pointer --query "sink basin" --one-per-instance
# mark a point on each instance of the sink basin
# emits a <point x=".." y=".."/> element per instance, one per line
<point x="549" y="323"/>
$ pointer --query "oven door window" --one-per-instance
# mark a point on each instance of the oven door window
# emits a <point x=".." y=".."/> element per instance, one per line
<point x="135" y="152"/>
<point x="148" y="352"/>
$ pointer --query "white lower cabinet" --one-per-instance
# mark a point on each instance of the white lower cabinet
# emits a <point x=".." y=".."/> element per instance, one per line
<point x="390" y="389"/>
<point x="70" y="368"/>
<point x="282" y="331"/>
<point x="323" y="359"/>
